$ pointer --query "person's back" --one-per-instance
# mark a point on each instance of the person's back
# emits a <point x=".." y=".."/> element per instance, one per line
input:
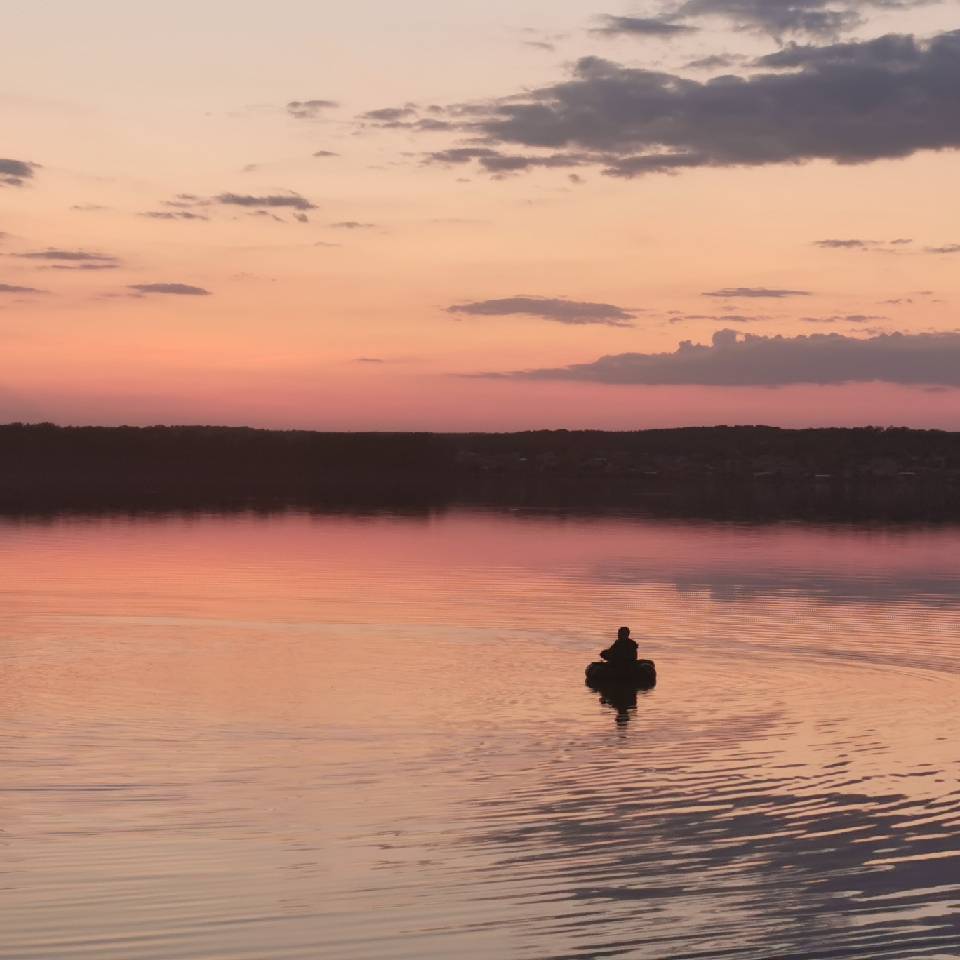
<point x="623" y="651"/>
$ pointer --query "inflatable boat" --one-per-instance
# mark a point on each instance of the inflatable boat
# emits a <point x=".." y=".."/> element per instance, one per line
<point x="642" y="674"/>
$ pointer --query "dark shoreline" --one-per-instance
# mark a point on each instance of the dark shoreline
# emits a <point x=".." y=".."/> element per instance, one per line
<point x="757" y="474"/>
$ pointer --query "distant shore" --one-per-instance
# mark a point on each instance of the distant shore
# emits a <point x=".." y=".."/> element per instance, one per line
<point x="741" y="472"/>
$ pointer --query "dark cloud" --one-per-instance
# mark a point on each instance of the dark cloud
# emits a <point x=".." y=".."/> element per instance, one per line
<point x="849" y="103"/>
<point x="895" y="50"/>
<point x="14" y="288"/>
<point x="352" y="225"/>
<point x="661" y="27"/>
<point x="815" y="18"/>
<point x="947" y="248"/>
<point x="540" y="45"/>
<point x="732" y="359"/>
<point x="309" y="109"/>
<point x="762" y="293"/>
<point x="71" y="256"/>
<point x="292" y="200"/>
<point x="180" y="289"/>
<point x="173" y="215"/>
<point x="368" y="360"/>
<point x="324" y="153"/>
<point x="557" y="309"/>
<point x="15" y="173"/>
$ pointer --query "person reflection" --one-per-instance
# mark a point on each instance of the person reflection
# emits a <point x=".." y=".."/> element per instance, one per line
<point x="623" y="701"/>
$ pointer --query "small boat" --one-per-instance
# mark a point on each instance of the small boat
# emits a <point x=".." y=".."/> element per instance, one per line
<point x="642" y="674"/>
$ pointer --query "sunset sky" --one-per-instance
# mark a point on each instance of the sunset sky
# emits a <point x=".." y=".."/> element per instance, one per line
<point x="481" y="215"/>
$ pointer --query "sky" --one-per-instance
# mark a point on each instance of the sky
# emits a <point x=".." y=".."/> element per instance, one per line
<point x="481" y="216"/>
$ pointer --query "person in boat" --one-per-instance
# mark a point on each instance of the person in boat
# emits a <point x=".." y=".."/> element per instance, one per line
<point x="623" y="651"/>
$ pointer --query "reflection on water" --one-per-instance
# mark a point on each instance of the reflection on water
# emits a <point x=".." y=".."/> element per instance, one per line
<point x="298" y="737"/>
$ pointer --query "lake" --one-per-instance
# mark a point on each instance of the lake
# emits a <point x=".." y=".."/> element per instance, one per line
<point x="305" y="736"/>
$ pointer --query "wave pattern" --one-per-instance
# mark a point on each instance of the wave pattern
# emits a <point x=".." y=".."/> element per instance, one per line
<point x="227" y="738"/>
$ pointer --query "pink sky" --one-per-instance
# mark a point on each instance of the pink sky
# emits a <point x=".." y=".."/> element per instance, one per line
<point x="328" y="290"/>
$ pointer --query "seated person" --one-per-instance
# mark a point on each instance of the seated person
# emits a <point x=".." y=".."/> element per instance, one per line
<point x="623" y="651"/>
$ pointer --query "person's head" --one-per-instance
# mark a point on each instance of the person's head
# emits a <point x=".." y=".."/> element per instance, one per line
<point x="623" y="633"/>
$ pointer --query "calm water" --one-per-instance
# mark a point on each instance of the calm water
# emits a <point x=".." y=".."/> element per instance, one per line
<point x="299" y="737"/>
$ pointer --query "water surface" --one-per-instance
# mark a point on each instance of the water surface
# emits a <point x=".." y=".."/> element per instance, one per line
<point x="302" y="737"/>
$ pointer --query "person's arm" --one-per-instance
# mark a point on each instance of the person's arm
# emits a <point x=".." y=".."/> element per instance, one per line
<point x="605" y="654"/>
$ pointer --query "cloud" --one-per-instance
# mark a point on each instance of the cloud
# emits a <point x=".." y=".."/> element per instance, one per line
<point x="815" y="18"/>
<point x="82" y="266"/>
<point x="755" y="293"/>
<point x="292" y="200"/>
<point x="855" y="244"/>
<point x="407" y="117"/>
<point x="947" y="248"/>
<point x="352" y="225"/>
<point x="186" y="200"/>
<point x="309" y="109"/>
<point x="716" y="61"/>
<point x="557" y="309"/>
<point x="95" y="260"/>
<point x="15" y="173"/>
<point x="180" y="289"/>
<point x="721" y="318"/>
<point x="390" y="116"/>
<point x="497" y="163"/>
<point x="13" y="288"/>
<point x="848" y="103"/>
<point x="173" y="215"/>
<point x="732" y="359"/>
<point x="845" y="318"/>
<point x="368" y="360"/>
<point x="660" y="27"/>
<point x="324" y="153"/>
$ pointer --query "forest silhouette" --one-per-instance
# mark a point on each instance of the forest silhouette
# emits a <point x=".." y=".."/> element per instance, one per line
<point x="742" y="471"/>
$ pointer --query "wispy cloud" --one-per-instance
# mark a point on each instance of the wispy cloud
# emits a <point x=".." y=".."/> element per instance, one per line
<point x="16" y="288"/>
<point x="857" y="244"/>
<point x="173" y="215"/>
<point x="557" y="309"/>
<point x="845" y="318"/>
<point x="270" y="201"/>
<point x="762" y="293"/>
<point x="662" y="28"/>
<point x="86" y="258"/>
<point x="310" y="109"/>
<point x="177" y="289"/>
